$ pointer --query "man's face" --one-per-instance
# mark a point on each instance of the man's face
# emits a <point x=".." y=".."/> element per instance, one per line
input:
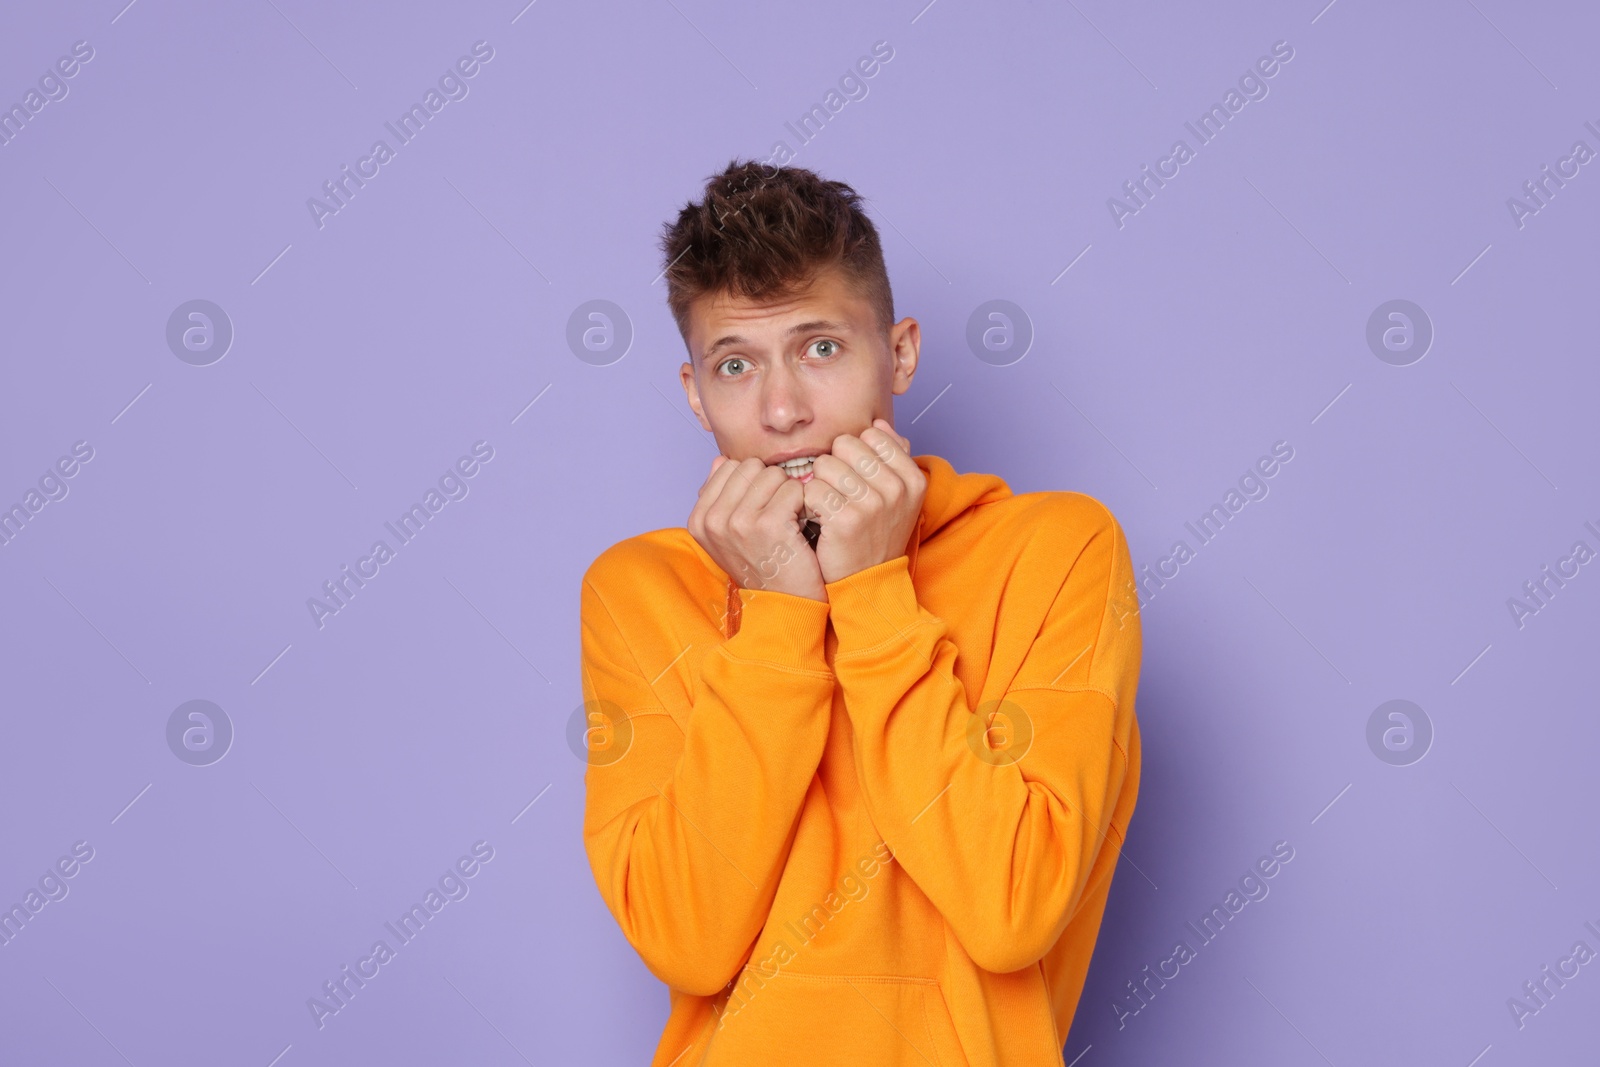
<point x="781" y="379"/>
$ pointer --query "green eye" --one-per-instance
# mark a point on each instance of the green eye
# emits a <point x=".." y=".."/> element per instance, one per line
<point x="831" y="346"/>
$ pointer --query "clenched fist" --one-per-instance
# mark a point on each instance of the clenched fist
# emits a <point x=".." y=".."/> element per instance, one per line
<point x="867" y="494"/>
<point x="748" y="519"/>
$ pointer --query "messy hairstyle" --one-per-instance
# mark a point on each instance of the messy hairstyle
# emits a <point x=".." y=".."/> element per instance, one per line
<point x="763" y="232"/>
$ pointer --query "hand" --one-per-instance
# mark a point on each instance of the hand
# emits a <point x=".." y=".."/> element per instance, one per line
<point x="748" y="520"/>
<point x="867" y="494"/>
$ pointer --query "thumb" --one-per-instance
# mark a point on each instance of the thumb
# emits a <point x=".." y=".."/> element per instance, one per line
<point x="813" y="498"/>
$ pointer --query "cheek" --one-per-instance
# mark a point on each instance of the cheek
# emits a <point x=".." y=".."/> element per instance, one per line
<point x="852" y="395"/>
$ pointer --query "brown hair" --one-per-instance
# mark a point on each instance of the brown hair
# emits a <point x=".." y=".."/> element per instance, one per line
<point x="762" y="232"/>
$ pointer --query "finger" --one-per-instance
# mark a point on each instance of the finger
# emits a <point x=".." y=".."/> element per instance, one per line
<point x="735" y="479"/>
<point x="711" y="490"/>
<point x="868" y="457"/>
<point x="744" y="476"/>
<point x="883" y="424"/>
<point x="890" y="435"/>
<point x="765" y="487"/>
<point x="713" y="484"/>
<point x="892" y="451"/>
<point x="791" y="497"/>
<point x="821" y="498"/>
<point x="843" y="471"/>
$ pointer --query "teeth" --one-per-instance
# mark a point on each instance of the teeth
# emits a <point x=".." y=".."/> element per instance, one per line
<point x="797" y="468"/>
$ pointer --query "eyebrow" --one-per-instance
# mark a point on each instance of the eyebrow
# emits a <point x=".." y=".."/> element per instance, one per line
<point x="798" y="328"/>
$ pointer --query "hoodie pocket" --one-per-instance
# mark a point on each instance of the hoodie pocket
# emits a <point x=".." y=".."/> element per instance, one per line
<point x="942" y="1028"/>
<point x="883" y="1020"/>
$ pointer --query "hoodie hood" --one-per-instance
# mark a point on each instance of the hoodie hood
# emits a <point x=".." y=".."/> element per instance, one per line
<point x="949" y="496"/>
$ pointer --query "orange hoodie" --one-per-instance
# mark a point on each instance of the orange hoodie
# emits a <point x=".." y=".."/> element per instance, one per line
<point x="880" y="829"/>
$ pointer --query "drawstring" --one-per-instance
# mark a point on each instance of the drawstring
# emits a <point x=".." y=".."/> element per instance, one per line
<point x="916" y="543"/>
<point x="735" y="608"/>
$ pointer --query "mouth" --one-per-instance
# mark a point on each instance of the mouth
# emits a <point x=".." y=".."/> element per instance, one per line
<point x="799" y="469"/>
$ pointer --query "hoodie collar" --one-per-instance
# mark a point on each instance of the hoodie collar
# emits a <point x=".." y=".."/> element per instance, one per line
<point x="949" y="496"/>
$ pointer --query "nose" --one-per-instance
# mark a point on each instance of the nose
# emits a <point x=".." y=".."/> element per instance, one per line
<point x="784" y="404"/>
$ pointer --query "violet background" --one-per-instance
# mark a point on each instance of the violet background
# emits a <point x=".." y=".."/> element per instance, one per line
<point x="432" y="311"/>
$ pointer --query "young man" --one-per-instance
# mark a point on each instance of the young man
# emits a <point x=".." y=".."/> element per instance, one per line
<point x="862" y="745"/>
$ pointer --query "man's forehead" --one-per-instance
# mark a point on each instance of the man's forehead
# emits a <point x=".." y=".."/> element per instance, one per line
<point x="720" y="321"/>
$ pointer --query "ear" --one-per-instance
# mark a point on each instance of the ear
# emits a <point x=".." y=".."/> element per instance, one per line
<point x="905" y="346"/>
<point x="691" y="390"/>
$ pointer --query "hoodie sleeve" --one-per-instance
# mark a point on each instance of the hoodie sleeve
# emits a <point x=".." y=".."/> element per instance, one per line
<point x="1005" y="818"/>
<point x="688" y="830"/>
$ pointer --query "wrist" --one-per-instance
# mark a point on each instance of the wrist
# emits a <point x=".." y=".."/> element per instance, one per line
<point x="780" y="628"/>
<point x="874" y="604"/>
